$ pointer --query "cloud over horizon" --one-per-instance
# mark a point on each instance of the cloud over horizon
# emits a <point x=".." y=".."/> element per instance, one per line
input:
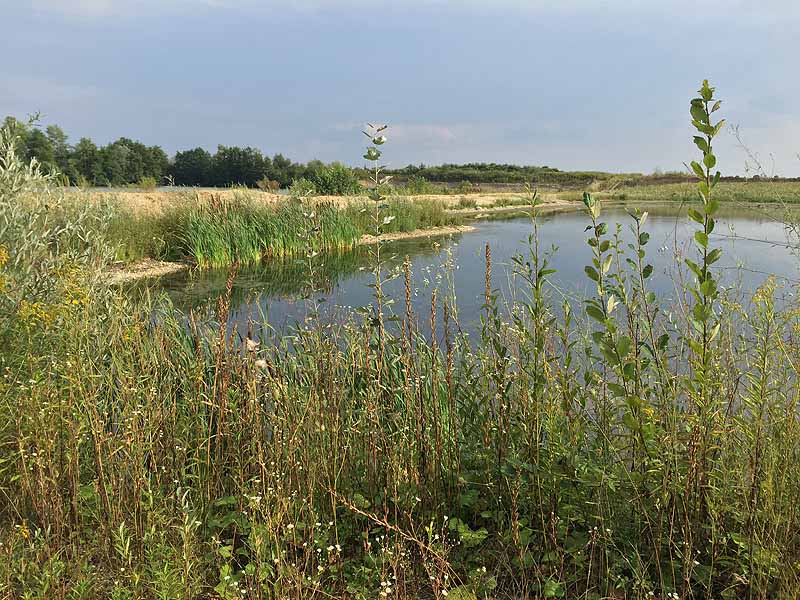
<point x="573" y="84"/>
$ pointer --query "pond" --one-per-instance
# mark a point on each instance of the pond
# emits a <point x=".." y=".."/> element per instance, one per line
<point x="754" y="243"/>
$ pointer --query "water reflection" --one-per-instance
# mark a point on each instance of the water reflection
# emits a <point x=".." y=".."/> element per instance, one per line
<point x="754" y="245"/>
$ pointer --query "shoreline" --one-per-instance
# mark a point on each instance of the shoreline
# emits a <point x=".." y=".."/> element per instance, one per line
<point x="149" y="268"/>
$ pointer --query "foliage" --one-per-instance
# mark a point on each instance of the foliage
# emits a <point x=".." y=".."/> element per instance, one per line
<point x="655" y="456"/>
<point x="334" y="180"/>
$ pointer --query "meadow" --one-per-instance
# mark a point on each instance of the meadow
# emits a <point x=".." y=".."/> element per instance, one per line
<point x="612" y="448"/>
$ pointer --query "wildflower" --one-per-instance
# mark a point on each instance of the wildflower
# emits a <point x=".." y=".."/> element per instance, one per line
<point x="252" y="345"/>
<point x="261" y="364"/>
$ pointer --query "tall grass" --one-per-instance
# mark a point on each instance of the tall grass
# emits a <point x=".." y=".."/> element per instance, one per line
<point x="248" y="231"/>
<point x="409" y="215"/>
<point x="653" y="456"/>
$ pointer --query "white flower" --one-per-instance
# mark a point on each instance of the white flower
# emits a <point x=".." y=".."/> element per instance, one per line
<point x="252" y="345"/>
<point x="261" y="364"/>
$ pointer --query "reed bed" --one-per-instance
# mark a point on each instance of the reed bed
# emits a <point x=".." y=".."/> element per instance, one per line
<point x="245" y="230"/>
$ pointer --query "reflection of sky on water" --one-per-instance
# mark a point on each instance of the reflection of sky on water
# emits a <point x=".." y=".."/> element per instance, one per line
<point x="344" y="281"/>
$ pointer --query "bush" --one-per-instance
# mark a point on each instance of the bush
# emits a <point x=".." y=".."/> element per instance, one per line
<point x="335" y="180"/>
<point x="266" y="184"/>
<point x="302" y="187"/>
<point x="148" y="183"/>
<point x="467" y="202"/>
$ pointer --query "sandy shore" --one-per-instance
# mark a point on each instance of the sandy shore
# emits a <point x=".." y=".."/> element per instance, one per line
<point x="143" y="202"/>
<point x="142" y="269"/>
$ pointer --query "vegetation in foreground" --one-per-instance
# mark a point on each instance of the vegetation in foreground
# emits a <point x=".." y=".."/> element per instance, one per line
<point x="144" y="458"/>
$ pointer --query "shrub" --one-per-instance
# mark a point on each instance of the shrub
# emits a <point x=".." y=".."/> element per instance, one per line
<point x="268" y="185"/>
<point x="148" y="183"/>
<point x="335" y="180"/>
<point x="302" y="188"/>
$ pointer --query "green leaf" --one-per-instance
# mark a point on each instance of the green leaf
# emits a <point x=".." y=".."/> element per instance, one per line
<point x="663" y="341"/>
<point x="702" y="187"/>
<point x="695" y="215"/>
<point x="644" y="237"/>
<point x="647" y="271"/>
<point x="611" y="304"/>
<point x="716" y="106"/>
<point x="709" y="160"/>
<point x="701" y="238"/>
<point x="712" y="206"/>
<point x="617" y="389"/>
<point x="607" y="263"/>
<point x="713" y="256"/>
<point x="717" y="127"/>
<point x="704" y="128"/>
<point x="698" y="170"/>
<point x="692" y="266"/>
<point x="708" y="287"/>
<point x="553" y="589"/>
<point x="698" y="113"/>
<point x="591" y="273"/>
<point x="595" y="313"/>
<point x="701" y="143"/>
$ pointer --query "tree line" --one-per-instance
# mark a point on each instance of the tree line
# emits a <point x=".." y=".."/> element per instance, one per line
<point x="130" y="162"/>
<point x="126" y="161"/>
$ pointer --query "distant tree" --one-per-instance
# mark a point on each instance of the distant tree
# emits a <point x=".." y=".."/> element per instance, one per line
<point x="193" y="167"/>
<point x="87" y="162"/>
<point x="20" y="130"/>
<point x="114" y="159"/>
<point x="62" y="152"/>
<point x="234" y="165"/>
<point x="157" y="163"/>
<point x="282" y="170"/>
<point x="39" y="147"/>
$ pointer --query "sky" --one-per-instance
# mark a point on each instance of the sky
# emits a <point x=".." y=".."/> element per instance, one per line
<point x="572" y="84"/>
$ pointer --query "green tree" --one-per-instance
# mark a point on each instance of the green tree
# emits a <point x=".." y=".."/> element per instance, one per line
<point x="234" y="165"/>
<point x="193" y="167"/>
<point x="86" y="162"/>
<point x="39" y="147"/>
<point x="282" y="170"/>
<point x="62" y="152"/>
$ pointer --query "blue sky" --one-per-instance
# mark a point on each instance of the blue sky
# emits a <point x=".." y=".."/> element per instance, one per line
<point x="572" y="84"/>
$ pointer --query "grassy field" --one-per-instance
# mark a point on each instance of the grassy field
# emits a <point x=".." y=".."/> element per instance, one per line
<point x="758" y="192"/>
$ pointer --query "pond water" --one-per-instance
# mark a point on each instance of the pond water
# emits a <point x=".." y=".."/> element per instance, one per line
<point x="754" y="245"/>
